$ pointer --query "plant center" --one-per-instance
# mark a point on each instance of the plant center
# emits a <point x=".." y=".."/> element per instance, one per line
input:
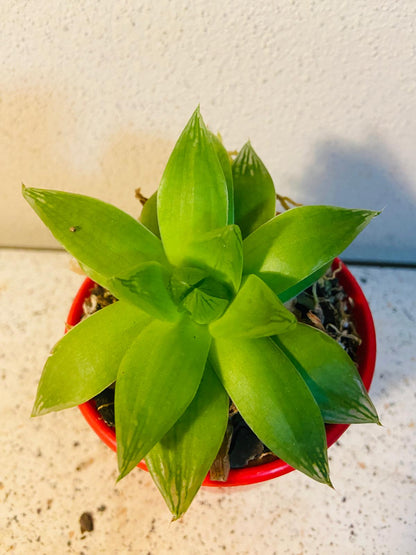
<point x="202" y="296"/>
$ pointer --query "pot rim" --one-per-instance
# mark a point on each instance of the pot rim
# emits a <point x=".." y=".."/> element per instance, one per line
<point x="366" y="358"/>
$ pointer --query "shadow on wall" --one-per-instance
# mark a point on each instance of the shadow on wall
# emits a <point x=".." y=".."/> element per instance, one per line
<point x="42" y="144"/>
<point x="366" y="176"/>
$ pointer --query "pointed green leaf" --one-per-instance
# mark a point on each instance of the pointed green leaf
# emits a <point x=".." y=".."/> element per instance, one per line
<point x="299" y="244"/>
<point x="181" y="460"/>
<point x="147" y="288"/>
<point x="192" y="196"/>
<point x="157" y="380"/>
<point x="225" y="162"/>
<point x="330" y="375"/>
<point x="274" y="401"/>
<point x="148" y="216"/>
<point x="85" y="361"/>
<point x="220" y="253"/>
<point x="254" y="193"/>
<point x="255" y="312"/>
<point x="104" y="239"/>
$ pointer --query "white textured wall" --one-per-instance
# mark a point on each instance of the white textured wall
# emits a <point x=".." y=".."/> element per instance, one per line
<point x="94" y="94"/>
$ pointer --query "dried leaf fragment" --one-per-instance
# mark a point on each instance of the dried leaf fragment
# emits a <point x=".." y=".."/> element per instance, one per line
<point x="86" y="522"/>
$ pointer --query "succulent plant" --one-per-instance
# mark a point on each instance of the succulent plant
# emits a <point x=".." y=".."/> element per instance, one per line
<point x="202" y="280"/>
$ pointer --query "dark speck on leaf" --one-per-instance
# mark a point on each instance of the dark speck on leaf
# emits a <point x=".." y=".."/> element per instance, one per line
<point x="74" y="228"/>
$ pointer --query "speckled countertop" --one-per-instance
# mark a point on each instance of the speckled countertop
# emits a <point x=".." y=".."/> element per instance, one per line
<point x="54" y="468"/>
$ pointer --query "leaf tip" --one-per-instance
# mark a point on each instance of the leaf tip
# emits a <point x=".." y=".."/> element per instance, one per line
<point x="247" y="148"/>
<point x="124" y="470"/>
<point x="39" y="409"/>
<point x="34" y="412"/>
<point x="196" y="116"/>
<point x="369" y="215"/>
<point x="125" y="466"/>
<point x="321" y="473"/>
<point x="320" y="470"/>
<point x="38" y="406"/>
<point x="34" y="197"/>
<point x="330" y="484"/>
<point x="375" y="213"/>
<point x="195" y="128"/>
<point x="27" y="192"/>
<point x="177" y="515"/>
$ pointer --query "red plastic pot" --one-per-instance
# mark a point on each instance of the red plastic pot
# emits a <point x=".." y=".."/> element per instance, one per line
<point x="366" y="358"/>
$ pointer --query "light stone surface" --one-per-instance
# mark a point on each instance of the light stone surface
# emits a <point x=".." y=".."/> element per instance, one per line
<point x="54" y="468"/>
<point x="94" y="95"/>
